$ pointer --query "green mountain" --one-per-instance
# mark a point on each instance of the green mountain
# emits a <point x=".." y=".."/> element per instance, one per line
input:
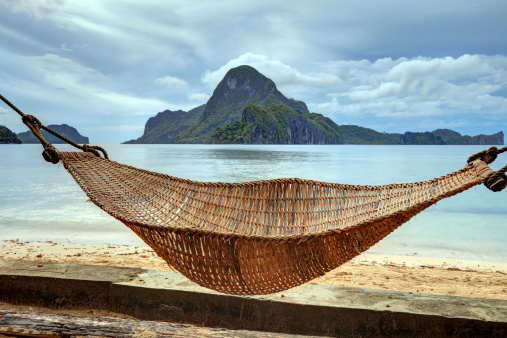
<point x="240" y="87"/>
<point x="65" y="130"/>
<point x="7" y="136"/>
<point x="452" y="137"/>
<point x="277" y="124"/>
<point x="166" y="125"/>
<point x="421" y="138"/>
<point x="360" y="135"/>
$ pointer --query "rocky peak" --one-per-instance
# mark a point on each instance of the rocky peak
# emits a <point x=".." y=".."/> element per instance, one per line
<point x="240" y="87"/>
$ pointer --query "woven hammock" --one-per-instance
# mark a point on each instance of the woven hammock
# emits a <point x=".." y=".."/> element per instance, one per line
<point x="256" y="237"/>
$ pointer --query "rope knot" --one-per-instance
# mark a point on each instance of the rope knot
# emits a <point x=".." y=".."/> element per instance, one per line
<point x="31" y="120"/>
<point x="496" y="182"/>
<point x="50" y="154"/>
<point x="90" y="149"/>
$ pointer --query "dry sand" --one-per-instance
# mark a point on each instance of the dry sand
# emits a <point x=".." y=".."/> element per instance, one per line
<point x="401" y="273"/>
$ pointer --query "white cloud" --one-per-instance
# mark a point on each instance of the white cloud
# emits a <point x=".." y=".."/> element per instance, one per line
<point x="201" y="97"/>
<point x="172" y="82"/>
<point x="11" y="119"/>
<point x="452" y="79"/>
<point x="280" y="73"/>
<point x="419" y="87"/>
<point x="432" y="124"/>
<point x="84" y="84"/>
<point x="38" y="9"/>
<point x="59" y="70"/>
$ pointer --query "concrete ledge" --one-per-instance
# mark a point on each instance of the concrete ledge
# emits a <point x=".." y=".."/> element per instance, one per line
<point x="307" y="310"/>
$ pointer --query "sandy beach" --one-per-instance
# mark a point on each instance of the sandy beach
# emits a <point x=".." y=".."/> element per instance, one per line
<point x="401" y="273"/>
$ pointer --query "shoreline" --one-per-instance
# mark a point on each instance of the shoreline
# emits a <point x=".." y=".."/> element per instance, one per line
<point x="386" y="272"/>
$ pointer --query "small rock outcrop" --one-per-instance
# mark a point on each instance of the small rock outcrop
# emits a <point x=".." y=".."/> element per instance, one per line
<point x="165" y="126"/>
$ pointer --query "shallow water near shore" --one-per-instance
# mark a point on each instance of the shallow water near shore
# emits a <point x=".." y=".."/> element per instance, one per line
<point x="40" y="201"/>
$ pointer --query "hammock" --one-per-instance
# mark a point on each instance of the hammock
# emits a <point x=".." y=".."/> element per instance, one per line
<point x="256" y="237"/>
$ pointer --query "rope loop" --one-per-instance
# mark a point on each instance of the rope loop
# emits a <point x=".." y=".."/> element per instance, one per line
<point x="496" y="181"/>
<point x="90" y="149"/>
<point x="104" y="153"/>
<point x="491" y="155"/>
<point x="488" y="155"/>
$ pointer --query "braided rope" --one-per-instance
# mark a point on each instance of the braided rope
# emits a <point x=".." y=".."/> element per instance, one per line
<point x="50" y="153"/>
<point x="496" y="180"/>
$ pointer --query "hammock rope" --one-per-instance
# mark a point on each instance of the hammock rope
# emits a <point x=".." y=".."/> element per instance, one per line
<point x="497" y="180"/>
<point x="257" y="237"/>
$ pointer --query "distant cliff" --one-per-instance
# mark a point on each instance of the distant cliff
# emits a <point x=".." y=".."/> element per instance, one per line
<point x="421" y="138"/>
<point x="277" y="124"/>
<point x="65" y="130"/>
<point x="360" y="135"/>
<point x="7" y="136"/>
<point x="452" y="137"/>
<point x="165" y="126"/>
<point x="447" y="136"/>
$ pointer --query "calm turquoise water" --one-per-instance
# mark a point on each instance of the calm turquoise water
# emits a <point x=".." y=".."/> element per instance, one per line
<point x="40" y="201"/>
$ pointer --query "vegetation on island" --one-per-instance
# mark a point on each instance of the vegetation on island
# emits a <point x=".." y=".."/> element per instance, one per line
<point x="359" y="135"/>
<point x="277" y="124"/>
<point x="165" y="126"/>
<point x="7" y="136"/>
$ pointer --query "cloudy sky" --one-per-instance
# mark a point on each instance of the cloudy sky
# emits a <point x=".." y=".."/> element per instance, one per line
<point x="106" y="66"/>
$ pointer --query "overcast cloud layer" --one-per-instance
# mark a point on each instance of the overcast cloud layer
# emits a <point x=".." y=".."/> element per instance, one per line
<point x="105" y="67"/>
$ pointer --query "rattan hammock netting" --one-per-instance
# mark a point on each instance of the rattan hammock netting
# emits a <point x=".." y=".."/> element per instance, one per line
<point x="256" y="237"/>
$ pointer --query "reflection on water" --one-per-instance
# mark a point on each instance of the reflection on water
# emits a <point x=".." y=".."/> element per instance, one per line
<point x="40" y="201"/>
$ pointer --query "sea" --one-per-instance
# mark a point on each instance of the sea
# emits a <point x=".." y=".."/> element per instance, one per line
<point x="40" y="201"/>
